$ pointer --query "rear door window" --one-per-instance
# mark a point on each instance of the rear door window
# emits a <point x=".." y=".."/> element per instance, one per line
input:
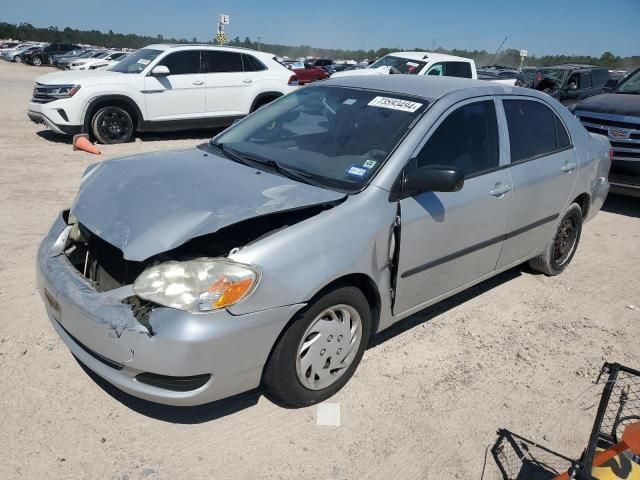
<point x="600" y="77"/>
<point x="457" y="69"/>
<point x="221" y="62"/>
<point x="467" y="139"/>
<point x="534" y="130"/>
<point x="586" y="80"/>
<point x="182" y="63"/>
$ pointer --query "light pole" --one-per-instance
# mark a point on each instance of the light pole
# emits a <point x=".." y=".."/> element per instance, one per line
<point x="259" y="41"/>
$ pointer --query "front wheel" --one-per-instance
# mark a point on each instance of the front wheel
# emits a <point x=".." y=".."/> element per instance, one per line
<point x="111" y="125"/>
<point x="562" y="246"/>
<point x="320" y="350"/>
<point x="36" y="61"/>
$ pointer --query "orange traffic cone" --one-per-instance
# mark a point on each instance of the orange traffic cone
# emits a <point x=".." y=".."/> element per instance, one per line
<point x="81" y="142"/>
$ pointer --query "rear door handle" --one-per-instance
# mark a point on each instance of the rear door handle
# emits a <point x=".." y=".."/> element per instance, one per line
<point x="500" y="190"/>
<point x="568" y="167"/>
<point x="198" y="82"/>
<point x="248" y="80"/>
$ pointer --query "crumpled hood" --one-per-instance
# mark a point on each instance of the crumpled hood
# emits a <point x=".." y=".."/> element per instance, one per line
<point x="149" y="204"/>
<point x="613" y="103"/>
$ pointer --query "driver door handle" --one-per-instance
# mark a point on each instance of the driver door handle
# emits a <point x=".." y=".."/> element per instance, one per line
<point x="568" y="167"/>
<point x="500" y="190"/>
<point x="198" y="82"/>
<point x="248" y="80"/>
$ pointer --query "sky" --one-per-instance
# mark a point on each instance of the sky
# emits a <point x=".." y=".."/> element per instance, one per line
<point x="585" y="27"/>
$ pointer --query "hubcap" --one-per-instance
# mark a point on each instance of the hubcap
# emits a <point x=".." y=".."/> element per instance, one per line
<point x="565" y="241"/>
<point x="328" y="347"/>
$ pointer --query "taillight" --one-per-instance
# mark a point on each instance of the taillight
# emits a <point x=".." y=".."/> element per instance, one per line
<point x="293" y="81"/>
<point x="611" y="154"/>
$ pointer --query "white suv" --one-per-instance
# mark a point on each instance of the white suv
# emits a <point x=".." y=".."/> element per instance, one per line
<point x="160" y="88"/>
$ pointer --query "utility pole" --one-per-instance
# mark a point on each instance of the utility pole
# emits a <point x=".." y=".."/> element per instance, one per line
<point x="496" y="54"/>
<point x="259" y="41"/>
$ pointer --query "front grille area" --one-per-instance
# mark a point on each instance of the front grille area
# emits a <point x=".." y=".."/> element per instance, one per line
<point x="623" y="135"/>
<point x="100" y="262"/>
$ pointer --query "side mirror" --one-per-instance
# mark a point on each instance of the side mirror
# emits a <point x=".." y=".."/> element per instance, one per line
<point x="572" y="87"/>
<point x="434" y="178"/>
<point x="160" y="71"/>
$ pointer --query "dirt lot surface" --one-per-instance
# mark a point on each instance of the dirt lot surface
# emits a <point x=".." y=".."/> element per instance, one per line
<point x="516" y="352"/>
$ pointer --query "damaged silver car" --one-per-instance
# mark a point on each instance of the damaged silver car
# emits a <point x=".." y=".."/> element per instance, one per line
<point x="271" y="255"/>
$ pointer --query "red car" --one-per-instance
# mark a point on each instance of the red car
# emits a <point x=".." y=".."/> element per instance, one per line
<point x="306" y="74"/>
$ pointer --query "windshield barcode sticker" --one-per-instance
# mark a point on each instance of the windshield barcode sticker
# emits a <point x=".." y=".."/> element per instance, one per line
<point x="395" y="104"/>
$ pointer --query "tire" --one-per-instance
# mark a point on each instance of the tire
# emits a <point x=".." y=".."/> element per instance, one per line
<point x="36" y="61"/>
<point x="317" y="335"/>
<point x="112" y="125"/>
<point x="562" y="246"/>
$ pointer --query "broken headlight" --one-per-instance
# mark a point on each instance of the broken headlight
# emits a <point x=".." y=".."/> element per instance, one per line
<point x="199" y="285"/>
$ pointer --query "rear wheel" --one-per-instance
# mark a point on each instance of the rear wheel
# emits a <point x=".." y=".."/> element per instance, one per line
<point x="36" y="61"/>
<point x="261" y="103"/>
<point x="562" y="246"/>
<point x="320" y="350"/>
<point x="111" y="125"/>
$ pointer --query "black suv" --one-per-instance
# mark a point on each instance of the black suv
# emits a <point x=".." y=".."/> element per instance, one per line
<point x="42" y="56"/>
<point x="568" y="83"/>
<point x="617" y="115"/>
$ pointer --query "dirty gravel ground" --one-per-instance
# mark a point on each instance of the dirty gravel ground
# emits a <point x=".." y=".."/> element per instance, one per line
<point x="515" y="352"/>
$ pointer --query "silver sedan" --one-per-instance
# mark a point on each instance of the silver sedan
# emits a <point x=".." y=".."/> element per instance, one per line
<point x="272" y="254"/>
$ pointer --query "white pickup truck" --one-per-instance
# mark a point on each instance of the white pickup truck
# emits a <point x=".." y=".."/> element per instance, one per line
<point x="418" y="63"/>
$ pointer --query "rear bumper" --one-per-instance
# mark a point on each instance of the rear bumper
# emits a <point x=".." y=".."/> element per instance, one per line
<point x="224" y="353"/>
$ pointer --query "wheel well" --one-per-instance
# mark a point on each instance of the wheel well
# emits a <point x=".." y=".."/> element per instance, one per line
<point x="584" y="200"/>
<point x="366" y="285"/>
<point x="359" y="280"/>
<point x="121" y="102"/>
<point x="264" y="98"/>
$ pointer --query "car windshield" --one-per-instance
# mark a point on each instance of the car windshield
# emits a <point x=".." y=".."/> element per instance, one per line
<point x="556" y="74"/>
<point x="331" y="136"/>
<point x="403" y="65"/>
<point x="631" y="84"/>
<point x="137" y="61"/>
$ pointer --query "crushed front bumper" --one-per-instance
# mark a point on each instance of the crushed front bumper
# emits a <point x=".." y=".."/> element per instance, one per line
<point x="225" y="353"/>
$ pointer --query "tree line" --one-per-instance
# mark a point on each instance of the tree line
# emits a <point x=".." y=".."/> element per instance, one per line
<point x="507" y="57"/>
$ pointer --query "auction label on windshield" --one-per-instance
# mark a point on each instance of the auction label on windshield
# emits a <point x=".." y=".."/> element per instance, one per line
<point x="395" y="104"/>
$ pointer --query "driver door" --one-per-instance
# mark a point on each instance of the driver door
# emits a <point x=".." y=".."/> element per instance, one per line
<point x="449" y="239"/>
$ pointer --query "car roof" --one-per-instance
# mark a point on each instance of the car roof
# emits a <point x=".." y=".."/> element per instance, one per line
<point x="208" y="46"/>
<point x="428" y="87"/>
<point x="422" y="56"/>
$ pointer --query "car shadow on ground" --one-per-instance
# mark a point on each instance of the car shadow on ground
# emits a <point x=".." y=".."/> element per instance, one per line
<point x="198" y="136"/>
<point x="222" y="408"/>
<point x="622" y="205"/>
<point x="182" y="415"/>
<point x="518" y="458"/>
<point x="54" y="137"/>
<point x="445" y="305"/>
